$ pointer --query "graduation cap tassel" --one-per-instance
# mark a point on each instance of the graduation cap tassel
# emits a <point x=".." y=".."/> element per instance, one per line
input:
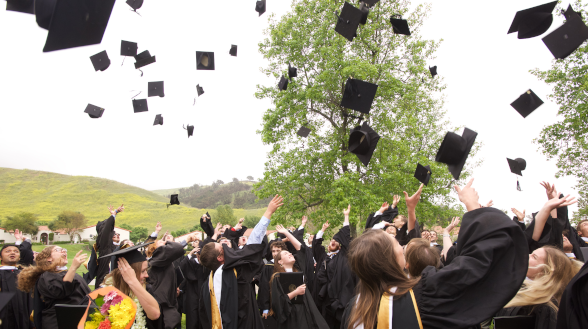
<point x="341" y="19"/>
<point x="518" y="185"/>
<point x="125" y="57"/>
<point x="194" y="101"/>
<point x="136" y="95"/>
<point x="141" y="72"/>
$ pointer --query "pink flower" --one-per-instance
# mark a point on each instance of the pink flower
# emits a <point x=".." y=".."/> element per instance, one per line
<point x="112" y="298"/>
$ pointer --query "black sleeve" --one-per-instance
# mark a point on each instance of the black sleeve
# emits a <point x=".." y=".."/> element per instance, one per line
<point x="26" y="253"/>
<point x="299" y="235"/>
<point x="263" y="294"/>
<point x="281" y="304"/>
<point x="344" y="238"/>
<point x="207" y="227"/>
<point x="165" y="255"/>
<point x="551" y="234"/>
<point x="105" y="231"/>
<point x="52" y="286"/>
<point x="414" y="233"/>
<point x="318" y="251"/>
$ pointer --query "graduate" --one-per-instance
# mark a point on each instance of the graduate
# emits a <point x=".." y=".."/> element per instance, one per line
<point x="53" y="283"/>
<point x="18" y="310"/>
<point x="290" y="315"/>
<point x="228" y="300"/>
<point x="419" y="254"/>
<point x="263" y="293"/>
<point x="195" y="276"/>
<point x="106" y="242"/>
<point x="573" y="308"/>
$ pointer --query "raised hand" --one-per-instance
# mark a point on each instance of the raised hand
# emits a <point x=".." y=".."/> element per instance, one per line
<point x="395" y="200"/>
<point x="520" y="215"/>
<point x="347" y="211"/>
<point x="217" y="229"/>
<point x="204" y="218"/>
<point x="241" y="220"/>
<point x="468" y="196"/>
<point x="276" y="203"/>
<point x="121" y="208"/>
<point x="164" y="235"/>
<point x="452" y="225"/>
<point x="489" y="204"/>
<point x="281" y="229"/>
<point x="549" y="190"/>
<point x="384" y="207"/>
<point x="18" y="235"/>
<point x="79" y="259"/>
<point x="558" y="203"/>
<point x="304" y="219"/>
<point x="426" y="235"/>
<point x="412" y="201"/>
<point x="112" y="210"/>
<point x="127" y="272"/>
<point x="325" y="226"/>
<point x="194" y="251"/>
<point x="158" y="227"/>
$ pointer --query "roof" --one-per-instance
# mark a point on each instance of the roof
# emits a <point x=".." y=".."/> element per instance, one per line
<point x="44" y="228"/>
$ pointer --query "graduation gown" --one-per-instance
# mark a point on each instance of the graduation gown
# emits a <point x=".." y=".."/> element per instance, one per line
<point x="154" y="324"/>
<point x="387" y="216"/>
<point x="26" y="253"/>
<point x="53" y="290"/>
<point x="105" y="246"/>
<point x="575" y="240"/>
<point x="573" y="308"/>
<point x="296" y="316"/>
<point x="341" y="281"/>
<point x="194" y="277"/>
<point x="545" y="316"/>
<point x="162" y="277"/>
<point x="16" y="313"/>
<point x="550" y="236"/>
<point x="405" y="305"/>
<point x="263" y="293"/>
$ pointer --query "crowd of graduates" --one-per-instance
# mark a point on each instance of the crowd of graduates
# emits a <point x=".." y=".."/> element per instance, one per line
<point x="499" y="272"/>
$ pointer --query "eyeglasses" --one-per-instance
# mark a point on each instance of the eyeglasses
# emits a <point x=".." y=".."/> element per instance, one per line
<point x="62" y="250"/>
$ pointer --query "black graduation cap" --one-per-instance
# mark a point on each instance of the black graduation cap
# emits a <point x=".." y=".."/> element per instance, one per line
<point x="260" y="7"/>
<point x="454" y="150"/>
<point x="283" y="84"/>
<point x="140" y="105"/>
<point x="303" y="131"/>
<point x="292" y="72"/>
<point x="365" y="11"/>
<point x="128" y="48"/>
<point x="362" y="142"/>
<point x="100" y="61"/>
<point x="564" y="40"/>
<point x="433" y="71"/>
<point x="527" y="103"/>
<point x="173" y="199"/>
<point x="371" y="3"/>
<point x="130" y="254"/>
<point x="233" y="50"/>
<point x="517" y="165"/>
<point x="359" y="95"/>
<point x="158" y="120"/>
<point x="533" y="21"/>
<point x="135" y="4"/>
<point x="155" y="88"/>
<point x="423" y="173"/>
<point x="569" y="12"/>
<point x="399" y="25"/>
<point x="190" y="130"/>
<point x="199" y="90"/>
<point x="143" y="59"/>
<point x="22" y="6"/>
<point x="94" y="111"/>
<point x="72" y="23"/>
<point x="204" y="60"/>
<point x="348" y="21"/>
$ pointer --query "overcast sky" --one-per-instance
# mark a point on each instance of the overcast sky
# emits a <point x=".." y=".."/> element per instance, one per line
<point x="43" y="126"/>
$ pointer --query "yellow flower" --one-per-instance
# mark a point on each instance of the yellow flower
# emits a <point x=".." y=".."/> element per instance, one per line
<point x="121" y="314"/>
<point x="94" y="321"/>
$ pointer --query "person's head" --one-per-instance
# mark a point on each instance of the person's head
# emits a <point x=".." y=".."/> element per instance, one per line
<point x="285" y="259"/>
<point x="391" y="229"/>
<point x="583" y="228"/>
<point x="334" y="245"/>
<point x="9" y="255"/>
<point x="276" y="247"/>
<point x="376" y="274"/>
<point x="310" y="239"/>
<point x="116" y="237"/>
<point x="168" y="237"/>
<point x="152" y="247"/>
<point x="212" y="255"/>
<point x="47" y="260"/>
<point x="553" y="270"/>
<point x="567" y="245"/>
<point x="243" y="240"/>
<point x="399" y="221"/>
<point x="119" y="283"/>
<point x="58" y="256"/>
<point x="419" y="254"/>
<point x="127" y="242"/>
<point x="433" y="236"/>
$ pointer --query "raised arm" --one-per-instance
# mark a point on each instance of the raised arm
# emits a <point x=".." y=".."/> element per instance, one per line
<point x="147" y="301"/>
<point x="289" y="235"/>
<point x="105" y="229"/>
<point x="411" y="203"/>
<point x="25" y="248"/>
<point x="256" y="236"/>
<point x="165" y="255"/>
<point x="206" y="225"/>
<point x="447" y="243"/>
<point x="543" y="214"/>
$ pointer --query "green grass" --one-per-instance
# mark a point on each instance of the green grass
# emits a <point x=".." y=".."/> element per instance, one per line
<point x="48" y="194"/>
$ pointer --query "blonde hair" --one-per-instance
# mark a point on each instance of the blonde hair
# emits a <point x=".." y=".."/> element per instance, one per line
<point x="550" y="283"/>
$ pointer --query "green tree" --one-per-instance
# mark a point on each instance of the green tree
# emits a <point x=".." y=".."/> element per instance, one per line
<point x="566" y="141"/>
<point x="317" y="175"/>
<point x="51" y="236"/>
<point x="251" y="221"/>
<point x="24" y="221"/>
<point x="196" y="228"/>
<point x="139" y="233"/>
<point x="224" y="214"/>
<point x="179" y="232"/>
<point x="70" y="222"/>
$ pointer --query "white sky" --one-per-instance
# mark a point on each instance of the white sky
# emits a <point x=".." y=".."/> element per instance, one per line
<point x="43" y="126"/>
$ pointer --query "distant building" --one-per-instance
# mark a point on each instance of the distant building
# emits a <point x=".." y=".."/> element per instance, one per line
<point x="87" y="233"/>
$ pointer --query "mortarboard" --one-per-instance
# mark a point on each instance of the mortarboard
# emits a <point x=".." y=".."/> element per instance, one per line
<point x="94" y="111"/>
<point x="433" y="71"/>
<point x="155" y="89"/>
<point x="564" y="40"/>
<point x="527" y="103"/>
<point x="533" y="21"/>
<point x="199" y="90"/>
<point x="140" y="105"/>
<point x="348" y="21"/>
<point x="359" y="95"/>
<point x="260" y="7"/>
<point x="454" y="150"/>
<point x="135" y="4"/>
<point x="22" y="6"/>
<point x="158" y="120"/>
<point x="303" y="131"/>
<point x="190" y="130"/>
<point x="569" y="12"/>
<point x="173" y="199"/>
<point x="399" y="25"/>
<point x="292" y="72"/>
<point x="100" y="61"/>
<point x="233" y="50"/>
<point x="362" y="142"/>
<point x="517" y="165"/>
<point x="365" y="11"/>
<point x="283" y="84"/>
<point x="72" y="23"/>
<point x="423" y="173"/>
<point x="128" y="48"/>
<point x="204" y="60"/>
<point x="143" y="59"/>
<point x="371" y="3"/>
<point x="130" y="254"/>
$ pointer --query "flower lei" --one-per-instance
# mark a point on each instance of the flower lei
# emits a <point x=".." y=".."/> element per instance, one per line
<point x="140" y="321"/>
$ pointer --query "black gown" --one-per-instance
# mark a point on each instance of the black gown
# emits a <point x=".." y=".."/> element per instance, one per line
<point x="105" y="246"/>
<point x="263" y="293"/>
<point x="18" y="310"/>
<point x="545" y="316"/>
<point x="388" y="216"/>
<point x="53" y="290"/>
<point x="162" y="277"/>
<point x="296" y="316"/>
<point x="573" y="307"/>
<point x="194" y="277"/>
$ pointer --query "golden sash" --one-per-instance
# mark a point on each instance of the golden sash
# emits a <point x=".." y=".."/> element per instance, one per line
<point x="215" y="312"/>
<point x="384" y="311"/>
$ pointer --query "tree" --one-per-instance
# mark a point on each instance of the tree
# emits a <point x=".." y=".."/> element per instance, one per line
<point x="224" y="214"/>
<point x="317" y="175"/>
<point x="235" y="180"/>
<point x="139" y="233"/>
<point x="51" y="236"/>
<point x="196" y="228"/>
<point x="249" y="177"/>
<point x="70" y="222"/>
<point x="566" y="141"/>
<point x="24" y="221"/>
<point x="179" y="232"/>
<point x="251" y="221"/>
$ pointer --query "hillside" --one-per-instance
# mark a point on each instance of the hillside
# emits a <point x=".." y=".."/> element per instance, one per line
<point x="48" y="194"/>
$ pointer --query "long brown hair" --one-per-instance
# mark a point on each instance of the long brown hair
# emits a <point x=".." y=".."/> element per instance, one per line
<point x="371" y="257"/>
<point x="277" y="269"/>
<point x="29" y="275"/>
<point x="119" y="283"/>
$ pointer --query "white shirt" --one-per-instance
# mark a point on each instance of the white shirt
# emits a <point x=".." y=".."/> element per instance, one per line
<point x="217" y="283"/>
<point x="585" y="239"/>
<point x="8" y="268"/>
<point x="195" y="258"/>
<point x="571" y="254"/>
<point x="61" y="268"/>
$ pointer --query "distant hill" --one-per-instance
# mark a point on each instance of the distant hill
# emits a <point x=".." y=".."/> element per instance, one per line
<point x="167" y="192"/>
<point x="48" y="194"/>
<point x="237" y="194"/>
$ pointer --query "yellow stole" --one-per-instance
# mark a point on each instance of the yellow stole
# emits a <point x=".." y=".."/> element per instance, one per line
<point x="215" y="316"/>
<point x="384" y="311"/>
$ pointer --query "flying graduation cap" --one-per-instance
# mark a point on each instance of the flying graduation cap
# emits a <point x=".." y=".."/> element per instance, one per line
<point x="283" y="84"/>
<point x="399" y="25"/>
<point x="433" y="71"/>
<point x="199" y="90"/>
<point x="569" y="12"/>
<point x="365" y="12"/>
<point x="454" y="150"/>
<point x="423" y="173"/>
<point x="73" y="23"/>
<point x="527" y="103"/>
<point x="155" y="88"/>
<point x="205" y="60"/>
<point x="143" y="59"/>
<point x="534" y="21"/>
<point x="303" y="131"/>
<point x="564" y="40"/>
<point x="140" y="105"/>
<point x="190" y="130"/>
<point x="359" y="95"/>
<point x="94" y="111"/>
<point x="233" y="50"/>
<point x="362" y="142"/>
<point x="292" y="72"/>
<point x="348" y="21"/>
<point x="516" y="167"/>
<point x="100" y="61"/>
<point x="135" y="4"/>
<point x="158" y="120"/>
<point x="260" y="7"/>
<point x="21" y="6"/>
<point x="370" y="3"/>
<point x="128" y="48"/>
